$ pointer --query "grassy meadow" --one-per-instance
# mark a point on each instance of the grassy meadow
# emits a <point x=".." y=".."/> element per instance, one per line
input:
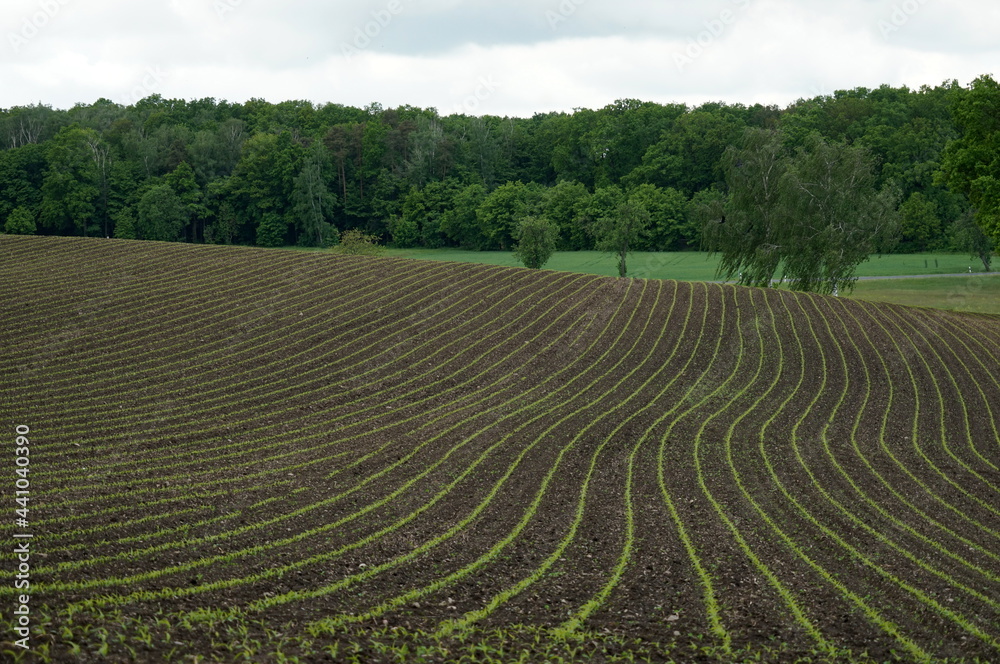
<point x="975" y="294"/>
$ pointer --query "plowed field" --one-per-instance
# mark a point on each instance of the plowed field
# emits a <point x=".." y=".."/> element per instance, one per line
<point x="250" y="455"/>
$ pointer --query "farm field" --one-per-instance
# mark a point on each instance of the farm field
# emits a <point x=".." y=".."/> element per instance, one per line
<point x="251" y="455"/>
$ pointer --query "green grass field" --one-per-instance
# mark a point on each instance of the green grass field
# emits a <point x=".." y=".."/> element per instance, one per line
<point x="689" y="265"/>
<point x="979" y="294"/>
<point x="975" y="294"/>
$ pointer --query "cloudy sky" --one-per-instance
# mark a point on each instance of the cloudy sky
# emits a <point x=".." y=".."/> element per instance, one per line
<point x="504" y="57"/>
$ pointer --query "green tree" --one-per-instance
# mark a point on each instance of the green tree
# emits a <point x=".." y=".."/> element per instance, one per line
<point x="357" y="243"/>
<point x="620" y="232"/>
<point x="272" y="230"/>
<point x="500" y="212"/>
<point x="70" y="190"/>
<point x="125" y="224"/>
<point x="837" y="218"/>
<point x="537" y="238"/>
<point x="20" y="222"/>
<point x="968" y="236"/>
<point x="161" y="215"/>
<point x="817" y="215"/>
<point x="183" y="182"/>
<point x="566" y="204"/>
<point x="747" y="231"/>
<point x="313" y="204"/>
<point x="459" y="222"/>
<point x="920" y="227"/>
<point x="667" y="217"/>
<point x="971" y="164"/>
<point x="405" y="230"/>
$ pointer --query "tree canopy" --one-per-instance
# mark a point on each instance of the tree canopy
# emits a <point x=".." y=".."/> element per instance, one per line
<point x="301" y="173"/>
<point x="813" y="213"/>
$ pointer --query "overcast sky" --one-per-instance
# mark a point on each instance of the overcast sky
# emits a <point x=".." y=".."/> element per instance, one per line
<point x="510" y="57"/>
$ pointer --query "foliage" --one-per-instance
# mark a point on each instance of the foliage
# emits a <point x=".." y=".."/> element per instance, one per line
<point x="968" y="236"/>
<point x="920" y="225"/>
<point x="161" y="215"/>
<point x="20" y="222"/>
<point x="356" y="243"/>
<point x="971" y="164"/>
<point x="500" y="211"/>
<point x="621" y="231"/>
<point x="566" y="205"/>
<point x="299" y="173"/>
<point x="125" y="225"/>
<point x="815" y="214"/>
<point x="537" y="239"/>
<point x="669" y="229"/>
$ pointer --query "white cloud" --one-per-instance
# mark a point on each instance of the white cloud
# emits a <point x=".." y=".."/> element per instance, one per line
<point x="499" y="57"/>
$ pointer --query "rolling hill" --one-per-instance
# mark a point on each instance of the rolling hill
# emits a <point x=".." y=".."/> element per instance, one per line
<point x="257" y="455"/>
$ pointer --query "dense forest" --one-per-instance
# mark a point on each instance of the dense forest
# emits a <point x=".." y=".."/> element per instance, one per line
<point x="296" y="173"/>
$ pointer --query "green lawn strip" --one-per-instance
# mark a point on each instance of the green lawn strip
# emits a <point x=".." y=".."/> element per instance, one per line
<point x="266" y="442"/>
<point x="852" y="550"/>
<point x="224" y="350"/>
<point x="398" y="463"/>
<point x="797" y="611"/>
<point x="689" y="265"/>
<point x="942" y="408"/>
<point x="973" y="293"/>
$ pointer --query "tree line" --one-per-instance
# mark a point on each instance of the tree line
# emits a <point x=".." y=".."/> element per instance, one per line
<point x="298" y="173"/>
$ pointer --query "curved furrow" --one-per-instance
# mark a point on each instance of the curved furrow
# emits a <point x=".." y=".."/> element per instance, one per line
<point x="421" y="457"/>
<point x="225" y="349"/>
<point x="876" y="510"/>
<point x="956" y="488"/>
<point x="296" y="539"/>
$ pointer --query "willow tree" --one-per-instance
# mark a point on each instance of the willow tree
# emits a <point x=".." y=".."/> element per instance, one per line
<point x="812" y="215"/>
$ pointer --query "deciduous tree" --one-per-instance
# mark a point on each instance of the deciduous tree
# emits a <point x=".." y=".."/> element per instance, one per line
<point x="537" y="238"/>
